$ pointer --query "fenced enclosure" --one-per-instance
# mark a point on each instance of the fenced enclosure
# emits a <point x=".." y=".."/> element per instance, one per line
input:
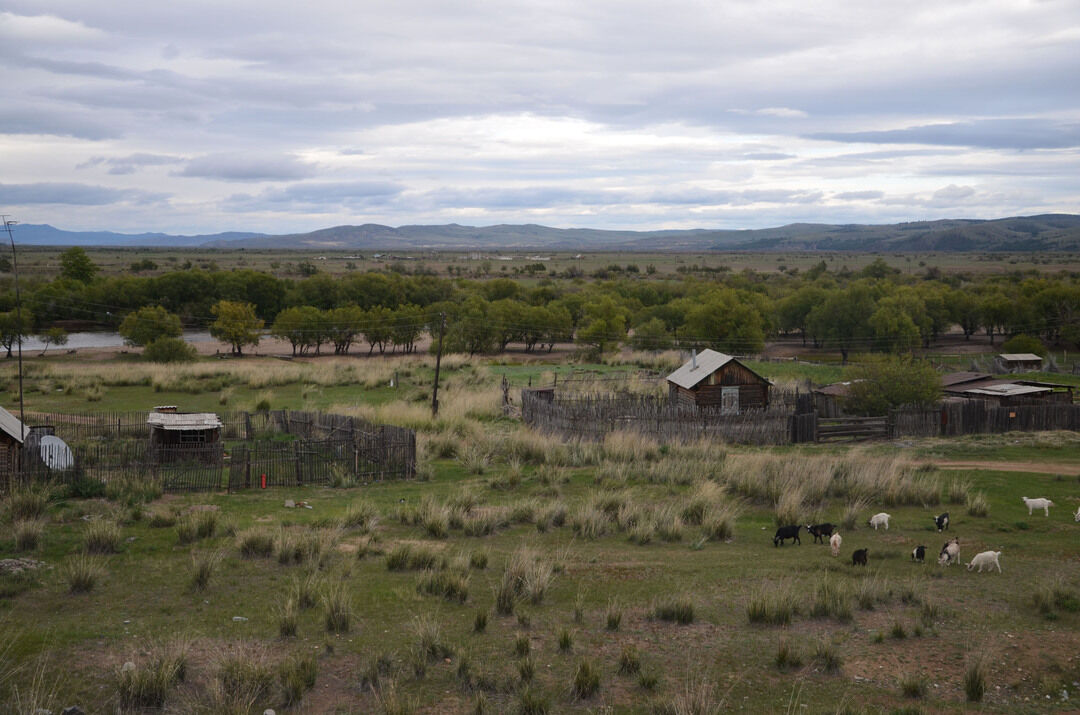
<point x="291" y="448"/>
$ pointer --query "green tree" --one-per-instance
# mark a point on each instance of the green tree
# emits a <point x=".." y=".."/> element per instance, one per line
<point x="145" y="325"/>
<point x="378" y="327"/>
<point x="235" y="324"/>
<point x="964" y="311"/>
<point x="53" y="336"/>
<point x="299" y="326"/>
<point x="14" y="327"/>
<point x="886" y="382"/>
<point x="1024" y="344"/>
<point x="407" y="327"/>
<point x="166" y="349"/>
<point x="843" y="319"/>
<point x="76" y="265"/>
<point x="894" y="329"/>
<point x="651" y="335"/>
<point x="344" y="326"/>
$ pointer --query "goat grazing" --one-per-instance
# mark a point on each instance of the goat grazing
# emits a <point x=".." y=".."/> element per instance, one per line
<point x="989" y="559"/>
<point x="834" y="544"/>
<point x="941" y="521"/>
<point x="820" y="531"/>
<point x="950" y="552"/>
<point x="786" y="532"/>
<point x="878" y="519"/>
<point x="1039" y="503"/>
<point x="859" y="558"/>
<point x="1077" y="515"/>
<point x="919" y="554"/>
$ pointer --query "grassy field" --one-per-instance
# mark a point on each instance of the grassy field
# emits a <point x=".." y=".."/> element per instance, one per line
<point x="525" y="574"/>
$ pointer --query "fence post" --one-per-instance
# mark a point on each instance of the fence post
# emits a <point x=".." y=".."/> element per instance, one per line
<point x="299" y="467"/>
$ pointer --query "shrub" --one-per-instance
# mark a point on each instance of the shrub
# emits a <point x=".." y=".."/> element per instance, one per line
<point x="27" y="534"/>
<point x="676" y="610"/>
<point x="884" y="382"/>
<point x="586" y="680"/>
<point x="1024" y="344"/>
<point x="81" y="573"/>
<point x="629" y="661"/>
<point x="101" y="537"/>
<point x="169" y="350"/>
<point x="148" y="684"/>
<point x="975" y="679"/>
<point x="203" y="565"/>
<point x="337" y="608"/>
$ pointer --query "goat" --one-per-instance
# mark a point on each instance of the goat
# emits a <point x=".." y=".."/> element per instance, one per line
<point x="1077" y="515"/>
<point x="950" y="552"/>
<point x="878" y="519"/>
<point x="1039" y="503"/>
<point x="820" y="531"/>
<point x="859" y="558"/>
<point x="941" y="521"/>
<point x="989" y="559"/>
<point x="786" y="532"/>
<point x="834" y="543"/>
<point x="919" y="554"/>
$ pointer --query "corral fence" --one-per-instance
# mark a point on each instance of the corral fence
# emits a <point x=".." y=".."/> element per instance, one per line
<point x="288" y="448"/>
<point x="791" y="421"/>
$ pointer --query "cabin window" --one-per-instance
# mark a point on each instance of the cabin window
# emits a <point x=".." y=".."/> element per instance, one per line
<point x="192" y="437"/>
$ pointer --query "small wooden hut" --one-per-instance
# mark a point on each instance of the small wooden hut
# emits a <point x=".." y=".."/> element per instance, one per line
<point x="1021" y="362"/>
<point x="176" y="436"/>
<point x="12" y="438"/>
<point x="717" y="381"/>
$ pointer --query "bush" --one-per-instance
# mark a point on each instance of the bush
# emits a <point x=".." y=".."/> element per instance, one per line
<point x="1024" y="344"/>
<point x="885" y="382"/>
<point x="169" y="350"/>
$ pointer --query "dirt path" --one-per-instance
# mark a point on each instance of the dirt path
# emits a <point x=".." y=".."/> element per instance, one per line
<point x="1037" y="467"/>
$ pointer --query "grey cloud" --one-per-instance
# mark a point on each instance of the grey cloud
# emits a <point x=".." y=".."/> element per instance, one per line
<point x="316" y="195"/>
<point x="71" y="193"/>
<point x="121" y="165"/>
<point x="858" y="195"/>
<point x="58" y="122"/>
<point x="767" y="156"/>
<point x="989" y="133"/>
<point x="247" y="167"/>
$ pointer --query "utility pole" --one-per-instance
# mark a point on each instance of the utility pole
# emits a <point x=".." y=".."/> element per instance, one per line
<point x="438" y="360"/>
<point x="8" y="223"/>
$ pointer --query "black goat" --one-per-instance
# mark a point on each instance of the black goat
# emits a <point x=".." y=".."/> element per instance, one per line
<point x="859" y="558"/>
<point x="787" y="532"/>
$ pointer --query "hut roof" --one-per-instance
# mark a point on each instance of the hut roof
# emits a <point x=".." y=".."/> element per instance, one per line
<point x="836" y="389"/>
<point x="179" y="421"/>
<point x="1007" y="389"/>
<point x="708" y="362"/>
<point x="957" y="378"/>
<point x="1019" y="357"/>
<point x="11" y="426"/>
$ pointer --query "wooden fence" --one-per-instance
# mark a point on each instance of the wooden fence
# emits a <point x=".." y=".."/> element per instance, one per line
<point x="979" y="417"/>
<point x="593" y="416"/>
<point x="106" y="447"/>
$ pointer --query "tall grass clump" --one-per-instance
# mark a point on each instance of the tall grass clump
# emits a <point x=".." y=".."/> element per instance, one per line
<point x="786" y="655"/>
<point x="912" y="685"/>
<point x="429" y="644"/>
<point x="718" y="523"/>
<point x="360" y="515"/>
<point x="827" y="655"/>
<point x="790" y="508"/>
<point x="832" y="599"/>
<point x="449" y="585"/>
<point x="81" y="573"/>
<point x="589" y="523"/>
<point x="148" y="683"/>
<point x="978" y="505"/>
<point x="1052" y="595"/>
<point x="474" y="458"/>
<point x="297" y="675"/>
<point x="852" y="514"/>
<point x="527" y="576"/>
<point x="772" y="604"/>
<point x="629" y="660"/>
<point x="957" y="491"/>
<point x="674" y="610"/>
<point x="337" y="608"/>
<point x="613" y="617"/>
<point x="27" y="533"/>
<point x="196" y="525"/>
<point x="203" y="565"/>
<point x="255" y="543"/>
<point x="586" y="680"/>
<point x="975" y="679"/>
<point x="28" y="503"/>
<point x="101" y="537"/>
<point x="288" y="617"/>
<point x="697" y="697"/>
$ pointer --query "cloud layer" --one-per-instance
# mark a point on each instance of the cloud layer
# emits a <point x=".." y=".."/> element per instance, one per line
<point x="196" y="116"/>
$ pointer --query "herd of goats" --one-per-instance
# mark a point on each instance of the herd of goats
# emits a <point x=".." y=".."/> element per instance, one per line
<point x="950" y="552"/>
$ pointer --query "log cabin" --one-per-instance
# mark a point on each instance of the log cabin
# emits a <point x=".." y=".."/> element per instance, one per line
<point x="713" y="380"/>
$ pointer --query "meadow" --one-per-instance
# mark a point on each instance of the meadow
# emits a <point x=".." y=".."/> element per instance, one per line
<point x="521" y="573"/>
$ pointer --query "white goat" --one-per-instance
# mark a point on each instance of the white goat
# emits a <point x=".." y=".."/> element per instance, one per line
<point x="1077" y="515"/>
<point x="834" y="543"/>
<point x="878" y="519"/>
<point x="989" y="559"/>
<point x="950" y="552"/>
<point x="1039" y="503"/>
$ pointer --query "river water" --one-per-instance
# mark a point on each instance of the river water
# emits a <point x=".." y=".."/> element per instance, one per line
<point x="103" y="340"/>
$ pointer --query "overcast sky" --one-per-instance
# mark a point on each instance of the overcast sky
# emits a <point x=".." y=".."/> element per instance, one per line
<point x="196" y="117"/>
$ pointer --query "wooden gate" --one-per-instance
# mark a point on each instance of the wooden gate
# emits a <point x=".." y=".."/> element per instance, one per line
<point x="852" y="428"/>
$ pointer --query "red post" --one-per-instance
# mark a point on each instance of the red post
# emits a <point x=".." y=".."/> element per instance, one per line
<point x="264" y="481"/>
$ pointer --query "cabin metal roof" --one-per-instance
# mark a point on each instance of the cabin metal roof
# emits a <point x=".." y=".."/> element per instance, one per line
<point x="1020" y="357"/>
<point x="1008" y="389"/>
<point x="708" y="362"/>
<point x="179" y="421"/>
<point x="11" y="426"/>
<point x="958" y="378"/>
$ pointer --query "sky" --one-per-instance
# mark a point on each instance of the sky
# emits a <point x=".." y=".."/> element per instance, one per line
<point x="196" y="117"/>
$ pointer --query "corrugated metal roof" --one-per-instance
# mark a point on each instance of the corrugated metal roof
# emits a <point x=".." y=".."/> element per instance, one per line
<point x="708" y="362"/>
<point x="1007" y="390"/>
<point x="178" y="421"/>
<point x="837" y="389"/>
<point x="11" y="425"/>
<point x="956" y="378"/>
<point x="1019" y="357"/>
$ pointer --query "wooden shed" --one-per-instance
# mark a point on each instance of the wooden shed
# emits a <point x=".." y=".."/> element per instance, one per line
<point x="1010" y="393"/>
<point x="717" y="381"/>
<point x="175" y="436"/>
<point x="1021" y="362"/>
<point x="12" y="438"/>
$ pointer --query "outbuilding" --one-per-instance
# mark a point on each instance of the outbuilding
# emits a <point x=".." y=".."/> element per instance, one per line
<point x="1021" y="362"/>
<point x="713" y="380"/>
<point x="13" y="436"/>
<point x="173" y="435"/>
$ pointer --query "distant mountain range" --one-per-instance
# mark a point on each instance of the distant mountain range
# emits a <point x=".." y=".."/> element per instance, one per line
<point x="1049" y="232"/>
